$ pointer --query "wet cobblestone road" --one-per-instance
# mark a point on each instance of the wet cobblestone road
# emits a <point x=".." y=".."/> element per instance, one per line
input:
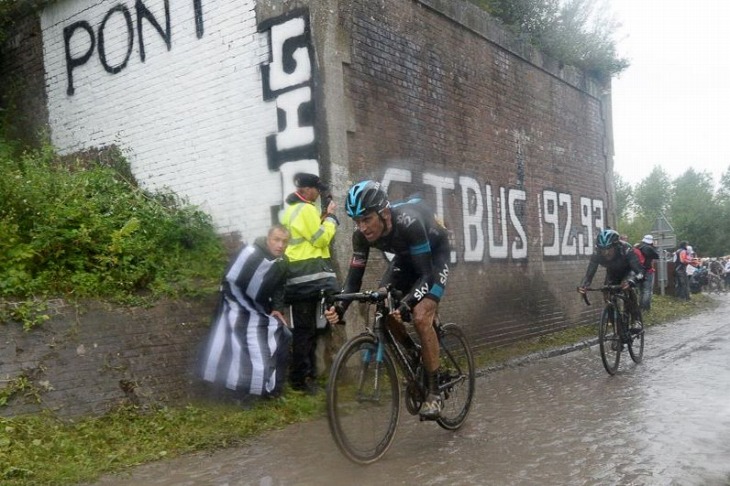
<point x="555" y="421"/>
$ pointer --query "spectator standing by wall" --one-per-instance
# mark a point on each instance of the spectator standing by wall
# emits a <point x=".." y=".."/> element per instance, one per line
<point x="692" y="262"/>
<point x="647" y="255"/>
<point x="248" y="347"/>
<point x="681" y="260"/>
<point x="310" y="271"/>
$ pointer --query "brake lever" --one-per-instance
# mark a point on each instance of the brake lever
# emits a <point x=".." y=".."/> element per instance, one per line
<point x="585" y="297"/>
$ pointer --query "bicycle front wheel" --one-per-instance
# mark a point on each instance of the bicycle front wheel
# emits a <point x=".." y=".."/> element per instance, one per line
<point x="609" y="339"/>
<point x="363" y="405"/>
<point x="457" y="376"/>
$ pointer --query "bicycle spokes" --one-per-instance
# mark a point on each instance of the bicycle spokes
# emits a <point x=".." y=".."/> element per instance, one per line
<point x="457" y="377"/>
<point x="609" y="339"/>
<point x="369" y="389"/>
<point x="363" y="400"/>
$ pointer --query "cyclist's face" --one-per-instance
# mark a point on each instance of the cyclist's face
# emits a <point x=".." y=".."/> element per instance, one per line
<point x="370" y="225"/>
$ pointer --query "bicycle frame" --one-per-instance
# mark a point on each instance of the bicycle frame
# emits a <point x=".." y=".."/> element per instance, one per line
<point x="617" y="328"/>
<point x="616" y="293"/>
<point x="373" y="369"/>
<point x="384" y="304"/>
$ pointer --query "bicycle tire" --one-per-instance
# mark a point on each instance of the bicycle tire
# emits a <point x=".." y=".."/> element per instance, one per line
<point x="363" y="400"/>
<point x="457" y="376"/>
<point x="609" y="339"/>
<point x="636" y="344"/>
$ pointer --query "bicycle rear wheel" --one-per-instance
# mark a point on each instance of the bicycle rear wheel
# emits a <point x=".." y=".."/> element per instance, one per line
<point x="456" y="376"/>
<point x="609" y="339"/>
<point x="363" y="400"/>
<point x="636" y="344"/>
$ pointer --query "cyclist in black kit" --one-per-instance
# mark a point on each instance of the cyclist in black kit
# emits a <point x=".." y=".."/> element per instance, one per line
<point x="622" y="267"/>
<point x="419" y="268"/>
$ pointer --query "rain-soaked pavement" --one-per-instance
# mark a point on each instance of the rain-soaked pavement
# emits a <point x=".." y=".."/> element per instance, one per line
<point x="554" y="421"/>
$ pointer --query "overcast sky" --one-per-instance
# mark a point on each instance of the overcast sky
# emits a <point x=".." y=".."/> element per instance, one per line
<point x="671" y="107"/>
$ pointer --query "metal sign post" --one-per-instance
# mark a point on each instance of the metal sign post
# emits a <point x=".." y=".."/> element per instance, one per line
<point x="664" y="239"/>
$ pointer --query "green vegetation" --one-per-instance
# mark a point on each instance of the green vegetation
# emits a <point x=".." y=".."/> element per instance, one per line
<point x="697" y="210"/>
<point x="10" y="10"/>
<point x="575" y="32"/>
<point x="82" y="227"/>
<point x="20" y="385"/>
<point x="42" y="449"/>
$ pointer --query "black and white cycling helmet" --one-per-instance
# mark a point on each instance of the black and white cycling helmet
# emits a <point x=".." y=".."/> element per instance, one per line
<point x="606" y="239"/>
<point x="364" y="197"/>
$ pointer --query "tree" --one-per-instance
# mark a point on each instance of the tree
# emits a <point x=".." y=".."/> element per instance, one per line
<point x="575" y="32"/>
<point x="723" y="193"/>
<point x="523" y="16"/>
<point x="624" y="198"/>
<point x="652" y="194"/>
<point x="696" y="215"/>
<point x="649" y="199"/>
<point x="723" y="201"/>
<point x="12" y="9"/>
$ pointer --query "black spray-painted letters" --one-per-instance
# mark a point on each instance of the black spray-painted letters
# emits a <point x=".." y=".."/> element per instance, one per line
<point x="95" y="40"/>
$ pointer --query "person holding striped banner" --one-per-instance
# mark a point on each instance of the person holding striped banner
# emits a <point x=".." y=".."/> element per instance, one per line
<point x="248" y="347"/>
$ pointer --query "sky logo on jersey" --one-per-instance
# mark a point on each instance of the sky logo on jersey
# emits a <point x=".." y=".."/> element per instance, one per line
<point x="419" y="293"/>
<point x="405" y="220"/>
<point x="444" y="275"/>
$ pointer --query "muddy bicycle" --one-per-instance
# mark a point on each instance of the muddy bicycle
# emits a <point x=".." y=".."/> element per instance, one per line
<point x="617" y="328"/>
<point x="364" y="387"/>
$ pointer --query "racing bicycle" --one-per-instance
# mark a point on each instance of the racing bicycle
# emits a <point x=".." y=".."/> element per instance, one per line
<point x="617" y="328"/>
<point x="368" y="372"/>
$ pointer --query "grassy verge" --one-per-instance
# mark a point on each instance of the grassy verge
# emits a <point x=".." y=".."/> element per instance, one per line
<point x="44" y="450"/>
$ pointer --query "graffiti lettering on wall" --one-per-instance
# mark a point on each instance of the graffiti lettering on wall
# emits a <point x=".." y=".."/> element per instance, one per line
<point x="493" y="219"/>
<point x="287" y="80"/>
<point x="81" y="40"/>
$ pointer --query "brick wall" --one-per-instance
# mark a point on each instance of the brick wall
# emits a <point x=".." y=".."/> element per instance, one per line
<point x="22" y="90"/>
<point x="226" y="100"/>
<point x="509" y="150"/>
<point x="181" y="91"/>
<point x="92" y="357"/>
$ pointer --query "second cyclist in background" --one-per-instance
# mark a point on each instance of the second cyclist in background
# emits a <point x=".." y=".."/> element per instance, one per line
<point x="621" y="264"/>
<point x="410" y="231"/>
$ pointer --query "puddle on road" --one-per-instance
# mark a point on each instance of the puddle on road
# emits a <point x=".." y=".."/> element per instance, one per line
<point x="560" y="421"/>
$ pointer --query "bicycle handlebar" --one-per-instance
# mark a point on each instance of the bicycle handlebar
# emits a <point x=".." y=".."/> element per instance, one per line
<point x="371" y="296"/>
<point x="605" y="288"/>
<point x="367" y="296"/>
<point x="389" y="295"/>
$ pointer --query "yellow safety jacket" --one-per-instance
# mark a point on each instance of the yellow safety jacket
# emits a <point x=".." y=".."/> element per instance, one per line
<point x="310" y="267"/>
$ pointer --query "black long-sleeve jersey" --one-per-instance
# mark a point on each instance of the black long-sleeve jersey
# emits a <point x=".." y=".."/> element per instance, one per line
<point x="624" y="262"/>
<point x="421" y="248"/>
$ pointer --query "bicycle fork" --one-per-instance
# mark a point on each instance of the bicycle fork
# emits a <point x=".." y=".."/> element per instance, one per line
<point x="371" y="357"/>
